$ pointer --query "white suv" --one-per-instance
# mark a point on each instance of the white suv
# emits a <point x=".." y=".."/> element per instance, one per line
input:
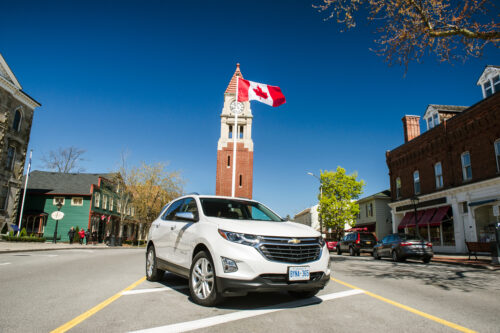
<point x="230" y="246"/>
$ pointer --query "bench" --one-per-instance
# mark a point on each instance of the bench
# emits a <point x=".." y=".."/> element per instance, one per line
<point x="475" y="247"/>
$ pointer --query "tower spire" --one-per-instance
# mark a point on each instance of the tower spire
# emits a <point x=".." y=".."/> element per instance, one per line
<point x="231" y="88"/>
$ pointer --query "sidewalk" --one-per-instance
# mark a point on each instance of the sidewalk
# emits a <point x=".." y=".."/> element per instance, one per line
<point x="7" y="247"/>
<point x="456" y="259"/>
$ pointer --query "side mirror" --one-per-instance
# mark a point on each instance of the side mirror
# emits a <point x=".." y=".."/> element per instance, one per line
<point x="188" y="216"/>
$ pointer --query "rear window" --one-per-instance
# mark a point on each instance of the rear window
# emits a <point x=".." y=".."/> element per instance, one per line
<point x="367" y="237"/>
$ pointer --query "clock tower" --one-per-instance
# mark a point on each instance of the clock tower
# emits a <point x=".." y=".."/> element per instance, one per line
<point x="244" y="144"/>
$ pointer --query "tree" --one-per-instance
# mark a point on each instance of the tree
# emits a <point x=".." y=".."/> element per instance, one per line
<point x="409" y="29"/>
<point x="64" y="160"/>
<point x="337" y="204"/>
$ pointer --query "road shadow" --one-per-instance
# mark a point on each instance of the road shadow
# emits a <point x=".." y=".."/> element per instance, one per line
<point x="440" y="276"/>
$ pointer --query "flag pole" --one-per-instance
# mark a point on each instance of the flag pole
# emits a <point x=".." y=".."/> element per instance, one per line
<point x="24" y="195"/>
<point x="235" y="131"/>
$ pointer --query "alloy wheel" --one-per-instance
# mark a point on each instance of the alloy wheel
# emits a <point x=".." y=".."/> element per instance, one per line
<point x="150" y="261"/>
<point x="202" y="278"/>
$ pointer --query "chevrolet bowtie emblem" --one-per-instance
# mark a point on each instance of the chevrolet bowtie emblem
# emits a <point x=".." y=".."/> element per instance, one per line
<point x="294" y="241"/>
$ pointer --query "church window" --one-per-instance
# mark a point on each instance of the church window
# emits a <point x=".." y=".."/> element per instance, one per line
<point x="11" y="153"/>
<point x="228" y="161"/>
<point x="230" y="131"/>
<point x="16" y="125"/>
<point x="241" y="132"/>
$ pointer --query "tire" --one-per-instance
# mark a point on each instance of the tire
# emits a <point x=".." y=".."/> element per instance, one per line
<point x="426" y="260"/>
<point x="339" y="251"/>
<point x="153" y="273"/>
<point x="351" y="252"/>
<point x="202" y="280"/>
<point x="395" y="256"/>
<point x="375" y="255"/>
<point x="304" y="294"/>
<point x="358" y="253"/>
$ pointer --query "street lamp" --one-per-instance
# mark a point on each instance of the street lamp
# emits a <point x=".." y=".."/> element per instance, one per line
<point x="59" y="205"/>
<point x="414" y="200"/>
<point x="320" y="197"/>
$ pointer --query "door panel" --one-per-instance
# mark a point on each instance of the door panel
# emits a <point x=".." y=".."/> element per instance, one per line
<point x="184" y="234"/>
<point x="165" y="231"/>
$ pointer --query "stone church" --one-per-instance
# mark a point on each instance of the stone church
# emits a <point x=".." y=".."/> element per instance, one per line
<point x="16" y="116"/>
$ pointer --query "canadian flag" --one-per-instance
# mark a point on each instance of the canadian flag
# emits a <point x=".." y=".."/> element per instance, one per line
<point x="254" y="91"/>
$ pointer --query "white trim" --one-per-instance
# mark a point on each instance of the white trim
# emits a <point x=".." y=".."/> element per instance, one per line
<point x="54" y="202"/>
<point x="76" y="204"/>
<point x="497" y="153"/>
<point x="11" y="75"/>
<point x="17" y="94"/>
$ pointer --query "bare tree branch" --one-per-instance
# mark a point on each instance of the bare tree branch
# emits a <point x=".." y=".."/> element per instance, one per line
<point x="64" y="160"/>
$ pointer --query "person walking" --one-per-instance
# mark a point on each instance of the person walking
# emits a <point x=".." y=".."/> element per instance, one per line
<point x="71" y="235"/>
<point x="94" y="237"/>
<point x="87" y="237"/>
<point x="82" y="235"/>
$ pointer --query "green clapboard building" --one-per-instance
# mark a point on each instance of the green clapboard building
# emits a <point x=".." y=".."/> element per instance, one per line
<point x="88" y="200"/>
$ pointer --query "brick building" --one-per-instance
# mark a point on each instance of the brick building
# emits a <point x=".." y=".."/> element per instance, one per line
<point x="451" y="173"/>
<point x="244" y="144"/>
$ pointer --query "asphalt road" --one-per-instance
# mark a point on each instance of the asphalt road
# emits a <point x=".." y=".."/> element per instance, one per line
<point x="43" y="291"/>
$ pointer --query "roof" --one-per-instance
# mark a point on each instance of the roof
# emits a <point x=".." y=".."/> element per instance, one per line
<point x="63" y="183"/>
<point x="231" y="88"/>
<point x="385" y="194"/>
<point x="489" y="70"/>
<point x="447" y="108"/>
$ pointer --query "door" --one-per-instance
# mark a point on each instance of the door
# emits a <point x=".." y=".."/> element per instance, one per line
<point x="184" y="234"/>
<point x="163" y="234"/>
<point x="384" y="249"/>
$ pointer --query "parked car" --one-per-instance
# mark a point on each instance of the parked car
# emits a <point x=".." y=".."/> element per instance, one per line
<point x="399" y="247"/>
<point x="331" y="244"/>
<point x="231" y="246"/>
<point x="356" y="242"/>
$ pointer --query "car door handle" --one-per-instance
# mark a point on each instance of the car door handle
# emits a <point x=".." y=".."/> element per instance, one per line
<point x="172" y="228"/>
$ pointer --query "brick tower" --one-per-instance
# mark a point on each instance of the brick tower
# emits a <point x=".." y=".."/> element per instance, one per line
<point x="244" y="145"/>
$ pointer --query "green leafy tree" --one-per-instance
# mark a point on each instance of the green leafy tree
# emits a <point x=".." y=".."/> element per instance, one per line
<point x="76" y="237"/>
<point x="337" y="203"/>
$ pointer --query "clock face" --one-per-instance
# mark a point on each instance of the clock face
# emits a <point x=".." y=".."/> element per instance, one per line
<point x="236" y="107"/>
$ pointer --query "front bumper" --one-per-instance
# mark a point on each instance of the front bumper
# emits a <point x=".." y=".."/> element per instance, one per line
<point x="271" y="282"/>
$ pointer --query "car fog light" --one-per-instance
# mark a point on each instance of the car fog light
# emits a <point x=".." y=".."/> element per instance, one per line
<point x="229" y="265"/>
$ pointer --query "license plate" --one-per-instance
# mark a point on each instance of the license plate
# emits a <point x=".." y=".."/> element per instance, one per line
<point x="298" y="273"/>
<point x="368" y="243"/>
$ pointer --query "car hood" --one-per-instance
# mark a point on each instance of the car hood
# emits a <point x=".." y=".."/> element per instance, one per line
<point x="265" y="228"/>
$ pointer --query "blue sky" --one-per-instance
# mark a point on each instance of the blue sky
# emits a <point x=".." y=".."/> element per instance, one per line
<point x="149" y="77"/>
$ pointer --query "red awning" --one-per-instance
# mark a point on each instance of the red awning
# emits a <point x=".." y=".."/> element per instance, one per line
<point x="411" y="222"/>
<point x="439" y="215"/>
<point x="406" y="220"/>
<point x="428" y="214"/>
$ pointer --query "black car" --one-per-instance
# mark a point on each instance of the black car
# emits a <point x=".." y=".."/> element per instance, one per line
<point x="399" y="247"/>
<point x="356" y="242"/>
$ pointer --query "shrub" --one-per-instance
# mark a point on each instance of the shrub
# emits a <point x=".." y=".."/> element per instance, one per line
<point x="23" y="233"/>
<point x="76" y="237"/>
<point x="24" y="239"/>
<point x="11" y="233"/>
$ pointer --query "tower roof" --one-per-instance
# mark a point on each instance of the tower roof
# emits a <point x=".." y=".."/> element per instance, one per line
<point x="231" y="87"/>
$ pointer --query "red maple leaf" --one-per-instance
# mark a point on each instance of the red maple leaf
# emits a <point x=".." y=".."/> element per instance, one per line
<point x="258" y="91"/>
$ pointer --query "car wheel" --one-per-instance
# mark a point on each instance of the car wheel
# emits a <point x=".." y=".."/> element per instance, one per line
<point x="351" y="252"/>
<point x="152" y="271"/>
<point x="202" y="280"/>
<point x="358" y="253"/>
<point x="395" y="256"/>
<point x="426" y="260"/>
<point x="304" y="294"/>
<point x="375" y="255"/>
<point x="339" y="251"/>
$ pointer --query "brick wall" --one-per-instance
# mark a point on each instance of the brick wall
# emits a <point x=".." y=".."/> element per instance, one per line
<point x="474" y="130"/>
<point x="244" y="167"/>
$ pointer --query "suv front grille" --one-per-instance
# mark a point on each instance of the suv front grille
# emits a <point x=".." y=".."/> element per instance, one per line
<point x="283" y="278"/>
<point x="283" y="249"/>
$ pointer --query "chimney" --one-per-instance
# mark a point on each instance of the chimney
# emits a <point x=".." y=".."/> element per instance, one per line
<point x="411" y="126"/>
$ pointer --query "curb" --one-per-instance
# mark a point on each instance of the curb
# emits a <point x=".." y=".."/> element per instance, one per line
<point x="478" y="265"/>
<point x="63" y="248"/>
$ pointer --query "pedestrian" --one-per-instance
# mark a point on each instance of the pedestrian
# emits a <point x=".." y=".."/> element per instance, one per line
<point x="71" y="234"/>
<point x="94" y="237"/>
<point x="87" y="237"/>
<point x="82" y="235"/>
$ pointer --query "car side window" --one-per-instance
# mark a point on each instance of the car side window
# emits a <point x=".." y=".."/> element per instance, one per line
<point x="174" y="208"/>
<point x="386" y="239"/>
<point x="189" y="205"/>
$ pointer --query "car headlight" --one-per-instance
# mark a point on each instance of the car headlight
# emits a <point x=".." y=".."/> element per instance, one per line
<point x="321" y="241"/>
<point x="245" y="239"/>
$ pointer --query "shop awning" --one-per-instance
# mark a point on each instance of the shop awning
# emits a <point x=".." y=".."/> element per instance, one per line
<point x="439" y="215"/>
<point x="411" y="222"/>
<point x="478" y="203"/>
<point x="406" y="220"/>
<point x="427" y="216"/>
<point x="363" y="227"/>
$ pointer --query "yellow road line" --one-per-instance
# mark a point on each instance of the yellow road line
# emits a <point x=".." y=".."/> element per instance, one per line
<point x="407" y="308"/>
<point x="72" y="323"/>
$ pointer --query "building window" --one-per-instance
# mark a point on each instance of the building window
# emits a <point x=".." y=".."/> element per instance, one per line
<point x="430" y="124"/>
<point x="58" y="200"/>
<point x="228" y="161"/>
<point x="4" y="195"/>
<point x="466" y="166"/>
<point x="398" y="188"/>
<point x="497" y="153"/>
<point x="241" y="132"/>
<point x="241" y="180"/>
<point x="230" y="131"/>
<point x="438" y="172"/>
<point x="465" y="207"/>
<point x="436" y="119"/>
<point x="416" y="182"/>
<point x="370" y="209"/>
<point x="104" y="202"/>
<point x="119" y="206"/>
<point x="11" y="154"/>
<point x="488" y="89"/>
<point x="97" y="199"/>
<point x="16" y="124"/>
<point x="496" y="83"/>
<point x="77" y="201"/>
<point x="111" y="204"/>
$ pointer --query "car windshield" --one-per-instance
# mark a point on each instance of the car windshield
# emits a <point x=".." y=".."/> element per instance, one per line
<point x="237" y="209"/>
<point x="367" y="237"/>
